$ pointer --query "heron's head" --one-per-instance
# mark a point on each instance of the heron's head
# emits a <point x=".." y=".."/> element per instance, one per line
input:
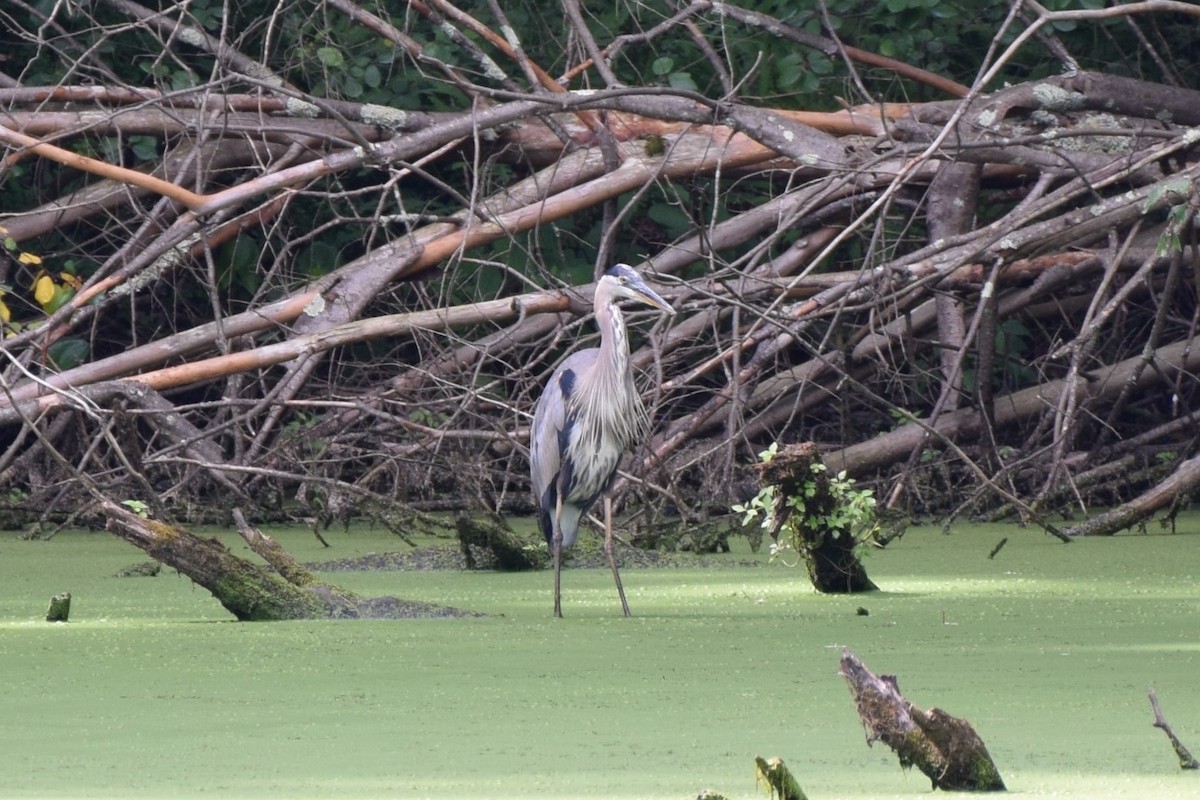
<point x="623" y="282"/>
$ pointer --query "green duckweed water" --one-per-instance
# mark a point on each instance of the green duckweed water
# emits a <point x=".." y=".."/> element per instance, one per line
<point x="152" y="691"/>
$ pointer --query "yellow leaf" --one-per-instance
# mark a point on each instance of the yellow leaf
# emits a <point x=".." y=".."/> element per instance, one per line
<point x="43" y="289"/>
<point x="70" y="280"/>
<point x="5" y="312"/>
<point x="29" y="258"/>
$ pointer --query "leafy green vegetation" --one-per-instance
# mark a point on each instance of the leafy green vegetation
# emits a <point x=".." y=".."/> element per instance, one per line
<point x="852" y="513"/>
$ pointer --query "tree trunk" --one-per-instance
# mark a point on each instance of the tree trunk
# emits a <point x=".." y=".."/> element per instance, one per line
<point x="249" y="591"/>
<point x="945" y="748"/>
<point x="828" y="551"/>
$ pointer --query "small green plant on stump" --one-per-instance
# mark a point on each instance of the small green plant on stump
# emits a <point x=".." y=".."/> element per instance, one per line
<point x="822" y="519"/>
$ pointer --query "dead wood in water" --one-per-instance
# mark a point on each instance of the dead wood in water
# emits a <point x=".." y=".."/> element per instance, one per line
<point x="945" y="748"/>
<point x="1186" y="760"/>
<point x="1169" y="493"/>
<point x="252" y="592"/>
<point x="60" y="607"/>
<point x="489" y="544"/>
<point x="778" y="779"/>
<point x="828" y="549"/>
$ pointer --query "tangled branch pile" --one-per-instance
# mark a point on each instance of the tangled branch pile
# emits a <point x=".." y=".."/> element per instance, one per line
<point x="321" y="261"/>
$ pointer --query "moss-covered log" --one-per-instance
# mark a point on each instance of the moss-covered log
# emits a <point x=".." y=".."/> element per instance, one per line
<point x="249" y="591"/>
<point x="489" y="544"/>
<point x="827" y="549"/>
<point x="943" y="747"/>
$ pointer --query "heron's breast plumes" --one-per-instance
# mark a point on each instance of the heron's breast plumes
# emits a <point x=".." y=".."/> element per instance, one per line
<point x="607" y="417"/>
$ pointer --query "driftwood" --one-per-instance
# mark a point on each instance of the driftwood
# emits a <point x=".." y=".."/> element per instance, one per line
<point x="60" y="608"/>
<point x="1186" y="760"/>
<point x="828" y="551"/>
<point x="943" y="747"/>
<point x="252" y="592"/>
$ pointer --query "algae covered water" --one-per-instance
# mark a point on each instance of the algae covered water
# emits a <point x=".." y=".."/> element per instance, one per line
<point x="1048" y="649"/>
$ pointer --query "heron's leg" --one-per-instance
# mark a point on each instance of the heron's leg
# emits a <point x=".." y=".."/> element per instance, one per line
<point x="556" y="552"/>
<point x="608" y="548"/>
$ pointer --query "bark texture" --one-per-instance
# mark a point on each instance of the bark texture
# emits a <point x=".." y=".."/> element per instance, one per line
<point x="943" y="747"/>
<point x="249" y="591"/>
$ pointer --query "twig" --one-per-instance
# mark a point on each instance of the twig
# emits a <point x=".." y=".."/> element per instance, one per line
<point x="1186" y="761"/>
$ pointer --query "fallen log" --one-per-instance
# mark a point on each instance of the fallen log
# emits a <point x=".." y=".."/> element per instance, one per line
<point x="943" y="747"/>
<point x="252" y="592"/>
<point x="1181" y="483"/>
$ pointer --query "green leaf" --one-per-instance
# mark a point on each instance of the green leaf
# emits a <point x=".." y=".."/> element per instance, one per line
<point x="670" y="217"/>
<point x="662" y="65"/>
<point x="144" y="147"/>
<point x="791" y="69"/>
<point x="62" y="295"/>
<point x="682" y="81"/>
<point x="820" y="64"/>
<point x="330" y="56"/>
<point x="68" y="353"/>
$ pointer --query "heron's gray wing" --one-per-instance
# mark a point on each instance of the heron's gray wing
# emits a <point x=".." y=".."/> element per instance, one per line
<point x="550" y="434"/>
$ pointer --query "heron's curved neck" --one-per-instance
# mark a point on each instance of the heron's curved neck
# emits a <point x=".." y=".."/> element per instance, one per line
<point x="606" y="392"/>
<point x="614" y="345"/>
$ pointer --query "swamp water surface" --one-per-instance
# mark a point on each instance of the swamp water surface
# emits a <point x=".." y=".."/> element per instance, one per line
<point x="153" y="691"/>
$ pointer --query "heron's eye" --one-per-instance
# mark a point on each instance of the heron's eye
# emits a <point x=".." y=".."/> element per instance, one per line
<point x="624" y="279"/>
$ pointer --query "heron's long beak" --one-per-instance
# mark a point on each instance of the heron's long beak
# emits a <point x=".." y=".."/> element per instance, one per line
<point x="652" y="298"/>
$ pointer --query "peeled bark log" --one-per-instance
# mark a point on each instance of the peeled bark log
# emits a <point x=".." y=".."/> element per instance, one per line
<point x="944" y="747"/>
<point x="1182" y="483"/>
<point x="249" y="591"/>
<point x="1170" y="361"/>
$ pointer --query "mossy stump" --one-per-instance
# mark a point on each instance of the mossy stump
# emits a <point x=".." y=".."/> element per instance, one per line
<point x="943" y="747"/>
<point x="489" y="544"/>
<point x="60" y="607"/>
<point x="773" y="774"/>
<point x="829" y="553"/>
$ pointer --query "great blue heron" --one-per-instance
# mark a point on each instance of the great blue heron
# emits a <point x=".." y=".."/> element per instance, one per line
<point x="588" y="415"/>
